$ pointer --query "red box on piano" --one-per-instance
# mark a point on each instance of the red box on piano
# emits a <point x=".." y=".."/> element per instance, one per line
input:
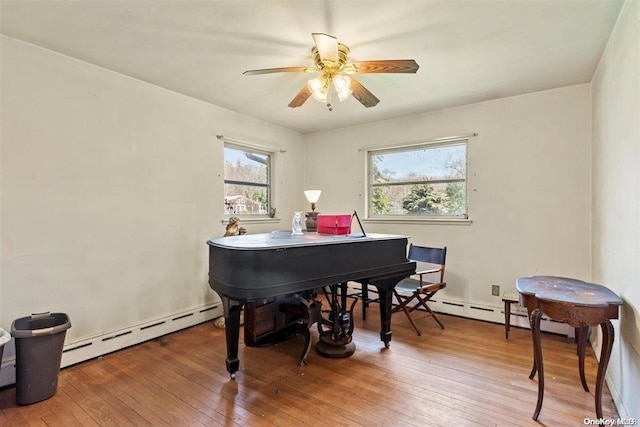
<point x="334" y="224"/>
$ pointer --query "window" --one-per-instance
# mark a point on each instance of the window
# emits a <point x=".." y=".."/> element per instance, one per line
<point x="247" y="181"/>
<point x="420" y="181"/>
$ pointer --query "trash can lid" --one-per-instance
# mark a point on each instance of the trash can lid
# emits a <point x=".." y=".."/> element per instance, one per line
<point x="4" y="337"/>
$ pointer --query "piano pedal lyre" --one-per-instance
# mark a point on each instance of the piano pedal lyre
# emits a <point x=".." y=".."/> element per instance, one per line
<point x="336" y="331"/>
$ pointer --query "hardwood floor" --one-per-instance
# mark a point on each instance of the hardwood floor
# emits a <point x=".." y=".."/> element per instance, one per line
<point x="465" y="375"/>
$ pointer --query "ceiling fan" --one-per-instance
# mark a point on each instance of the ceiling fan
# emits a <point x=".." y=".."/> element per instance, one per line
<point x="331" y="61"/>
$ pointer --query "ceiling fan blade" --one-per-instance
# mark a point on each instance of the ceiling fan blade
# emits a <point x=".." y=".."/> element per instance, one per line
<point x="276" y="70"/>
<point x="387" y="66"/>
<point x="300" y="98"/>
<point x="361" y="93"/>
<point x="327" y="46"/>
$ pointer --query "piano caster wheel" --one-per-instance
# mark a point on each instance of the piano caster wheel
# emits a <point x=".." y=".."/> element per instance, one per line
<point x="233" y="376"/>
<point x="303" y="363"/>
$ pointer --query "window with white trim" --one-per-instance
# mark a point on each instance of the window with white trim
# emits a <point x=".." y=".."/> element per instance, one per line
<point x="247" y="181"/>
<point x="418" y="181"/>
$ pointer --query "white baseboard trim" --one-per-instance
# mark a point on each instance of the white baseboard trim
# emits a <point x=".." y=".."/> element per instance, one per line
<point x="623" y="411"/>
<point x="496" y="315"/>
<point x="99" y="345"/>
<point x="488" y="313"/>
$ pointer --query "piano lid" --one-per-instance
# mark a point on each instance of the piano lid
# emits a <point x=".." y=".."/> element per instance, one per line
<point x="285" y="239"/>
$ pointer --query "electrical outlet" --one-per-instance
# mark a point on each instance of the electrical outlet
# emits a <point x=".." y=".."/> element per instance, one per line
<point x="495" y="290"/>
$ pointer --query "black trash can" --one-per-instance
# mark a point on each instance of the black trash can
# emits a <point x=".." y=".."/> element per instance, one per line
<point x="39" y="340"/>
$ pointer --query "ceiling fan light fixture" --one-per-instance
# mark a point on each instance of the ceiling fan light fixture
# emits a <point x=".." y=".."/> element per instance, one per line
<point x="344" y="95"/>
<point x="331" y="60"/>
<point x="319" y="88"/>
<point x="342" y="84"/>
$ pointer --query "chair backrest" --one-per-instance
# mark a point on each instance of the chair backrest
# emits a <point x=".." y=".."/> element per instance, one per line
<point x="437" y="256"/>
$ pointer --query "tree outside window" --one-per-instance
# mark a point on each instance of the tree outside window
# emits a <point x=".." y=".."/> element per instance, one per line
<point x="428" y="180"/>
<point x="247" y="181"/>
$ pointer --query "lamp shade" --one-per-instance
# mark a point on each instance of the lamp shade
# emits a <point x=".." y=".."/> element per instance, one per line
<point x="312" y="195"/>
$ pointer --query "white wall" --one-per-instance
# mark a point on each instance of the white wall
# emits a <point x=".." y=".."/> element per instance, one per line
<point x="528" y="179"/>
<point x="616" y="198"/>
<point x="110" y="189"/>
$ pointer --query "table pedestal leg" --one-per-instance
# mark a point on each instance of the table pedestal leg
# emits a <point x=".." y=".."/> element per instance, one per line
<point x="533" y="368"/>
<point x="537" y="357"/>
<point x="582" y="332"/>
<point x="605" y="354"/>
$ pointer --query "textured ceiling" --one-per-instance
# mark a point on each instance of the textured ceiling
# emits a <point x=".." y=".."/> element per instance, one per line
<point x="468" y="51"/>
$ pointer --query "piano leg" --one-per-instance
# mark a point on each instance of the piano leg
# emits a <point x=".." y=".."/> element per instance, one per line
<point x="232" y="309"/>
<point x="385" y="294"/>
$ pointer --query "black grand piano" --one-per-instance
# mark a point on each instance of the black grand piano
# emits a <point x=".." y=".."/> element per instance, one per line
<point x="252" y="268"/>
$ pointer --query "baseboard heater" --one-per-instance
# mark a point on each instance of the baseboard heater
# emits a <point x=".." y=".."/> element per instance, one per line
<point x="492" y="314"/>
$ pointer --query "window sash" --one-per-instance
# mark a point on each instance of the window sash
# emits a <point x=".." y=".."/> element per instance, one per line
<point x="267" y="186"/>
<point x="422" y="182"/>
<point x="393" y="208"/>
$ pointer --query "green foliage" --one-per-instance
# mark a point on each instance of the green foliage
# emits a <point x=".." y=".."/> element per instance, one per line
<point x="428" y="200"/>
<point x="258" y="195"/>
<point x="457" y="202"/>
<point x="380" y="203"/>
<point x="425" y="200"/>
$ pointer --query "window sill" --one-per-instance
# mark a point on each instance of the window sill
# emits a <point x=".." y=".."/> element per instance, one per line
<point x="401" y="220"/>
<point x="259" y="220"/>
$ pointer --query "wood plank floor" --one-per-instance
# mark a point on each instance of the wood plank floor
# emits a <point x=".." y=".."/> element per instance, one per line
<point x="465" y="375"/>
